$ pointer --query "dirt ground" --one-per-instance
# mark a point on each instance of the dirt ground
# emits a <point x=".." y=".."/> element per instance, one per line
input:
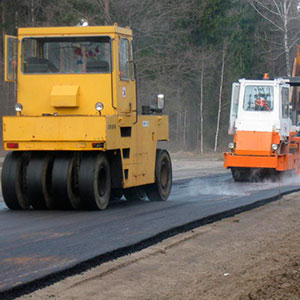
<point x="254" y="255"/>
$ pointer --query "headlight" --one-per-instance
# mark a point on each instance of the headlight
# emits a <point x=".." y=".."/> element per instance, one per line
<point x="274" y="147"/>
<point x="99" y="106"/>
<point x="231" y="145"/>
<point x="160" y="101"/>
<point x="18" y="107"/>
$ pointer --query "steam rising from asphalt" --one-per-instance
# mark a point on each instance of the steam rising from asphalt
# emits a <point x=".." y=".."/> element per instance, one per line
<point x="208" y="187"/>
<point x="227" y="187"/>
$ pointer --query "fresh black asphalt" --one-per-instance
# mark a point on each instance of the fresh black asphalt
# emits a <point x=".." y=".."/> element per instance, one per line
<point x="34" y="244"/>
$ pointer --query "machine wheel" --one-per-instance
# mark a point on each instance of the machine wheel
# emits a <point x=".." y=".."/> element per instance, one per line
<point x="253" y="174"/>
<point x="115" y="194"/>
<point x="65" y="182"/>
<point x="13" y="180"/>
<point x="241" y="174"/>
<point x="161" y="188"/>
<point x="135" y="194"/>
<point x="95" y="181"/>
<point x="39" y="180"/>
<point x="272" y="175"/>
<point x="236" y="174"/>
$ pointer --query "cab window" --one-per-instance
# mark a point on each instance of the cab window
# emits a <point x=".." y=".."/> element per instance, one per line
<point x="234" y="107"/>
<point x="258" y="98"/>
<point x="66" y="55"/>
<point x="131" y="61"/>
<point x="285" y="102"/>
<point x="235" y="100"/>
<point x="11" y="53"/>
<point x="124" y="59"/>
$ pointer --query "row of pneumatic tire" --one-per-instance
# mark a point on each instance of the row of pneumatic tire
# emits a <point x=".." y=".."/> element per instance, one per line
<point x="73" y="180"/>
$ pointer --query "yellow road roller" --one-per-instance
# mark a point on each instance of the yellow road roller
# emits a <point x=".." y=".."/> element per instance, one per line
<point x="77" y="140"/>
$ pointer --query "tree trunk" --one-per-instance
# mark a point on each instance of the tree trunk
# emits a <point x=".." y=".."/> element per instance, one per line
<point x="177" y="126"/>
<point x="184" y="128"/>
<point x="201" y="103"/>
<point x="180" y="129"/>
<point x="178" y="117"/>
<point x="220" y="98"/>
<point x="286" y="47"/>
<point x="32" y="12"/>
<point x="2" y="33"/>
<point x="106" y="9"/>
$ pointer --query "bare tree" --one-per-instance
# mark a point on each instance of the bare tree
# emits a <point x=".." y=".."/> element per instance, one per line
<point x="103" y="7"/>
<point x="220" y="95"/>
<point x="202" y="60"/>
<point x="201" y="103"/>
<point x="284" y="18"/>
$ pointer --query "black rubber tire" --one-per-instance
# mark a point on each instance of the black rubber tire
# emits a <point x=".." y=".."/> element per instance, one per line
<point x="277" y="175"/>
<point x="39" y="180"/>
<point x="236" y="174"/>
<point x="161" y="188"/>
<point x="135" y="194"/>
<point x="73" y="192"/>
<point x="115" y="194"/>
<point x="13" y="180"/>
<point x="271" y="174"/>
<point x="251" y="174"/>
<point x="94" y="181"/>
<point x="241" y="174"/>
<point x="65" y="192"/>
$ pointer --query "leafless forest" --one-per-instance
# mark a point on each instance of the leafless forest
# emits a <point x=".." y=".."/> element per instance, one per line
<point x="189" y="50"/>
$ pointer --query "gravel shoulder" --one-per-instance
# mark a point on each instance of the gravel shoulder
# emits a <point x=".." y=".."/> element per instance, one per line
<point x="254" y="255"/>
<point x="189" y="168"/>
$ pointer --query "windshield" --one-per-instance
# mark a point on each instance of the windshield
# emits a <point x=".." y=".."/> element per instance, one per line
<point x="258" y="98"/>
<point x="66" y="55"/>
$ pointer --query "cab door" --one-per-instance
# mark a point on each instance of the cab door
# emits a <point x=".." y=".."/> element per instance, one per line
<point x="127" y="85"/>
<point x="234" y="107"/>
<point x="285" y="121"/>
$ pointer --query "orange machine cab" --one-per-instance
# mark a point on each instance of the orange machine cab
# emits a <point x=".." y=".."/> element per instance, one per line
<point x="265" y="141"/>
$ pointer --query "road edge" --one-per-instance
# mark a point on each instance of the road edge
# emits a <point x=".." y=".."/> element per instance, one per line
<point x="50" y="279"/>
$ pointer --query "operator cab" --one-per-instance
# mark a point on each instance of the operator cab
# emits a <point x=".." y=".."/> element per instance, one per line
<point x="72" y="70"/>
<point x="260" y="105"/>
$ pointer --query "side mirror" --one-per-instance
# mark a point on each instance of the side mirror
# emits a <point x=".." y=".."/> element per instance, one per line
<point x="160" y="102"/>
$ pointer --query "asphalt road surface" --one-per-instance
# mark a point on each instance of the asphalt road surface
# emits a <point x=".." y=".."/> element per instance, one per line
<point x="34" y="244"/>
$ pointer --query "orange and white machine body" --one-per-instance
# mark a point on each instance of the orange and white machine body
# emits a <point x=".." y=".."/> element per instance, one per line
<point x="265" y="141"/>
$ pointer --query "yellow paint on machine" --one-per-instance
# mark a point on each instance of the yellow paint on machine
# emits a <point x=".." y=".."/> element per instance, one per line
<point x="52" y="128"/>
<point x="59" y="111"/>
<point x="65" y="96"/>
<point x="76" y="133"/>
<point x="48" y="93"/>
